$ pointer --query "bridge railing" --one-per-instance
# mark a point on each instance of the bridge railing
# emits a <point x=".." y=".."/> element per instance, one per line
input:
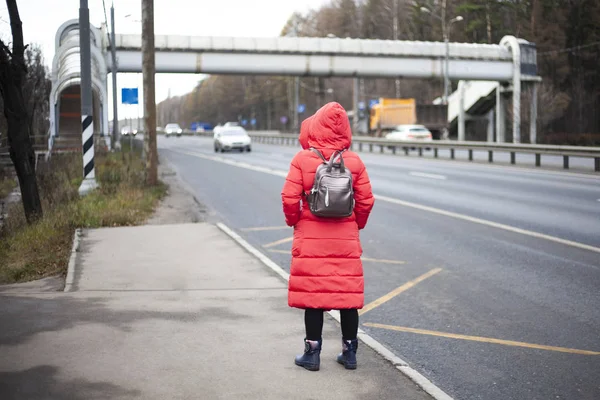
<point x="371" y="144"/>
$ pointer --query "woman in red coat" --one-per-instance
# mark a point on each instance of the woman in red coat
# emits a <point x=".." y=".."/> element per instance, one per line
<point x="326" y="271"/>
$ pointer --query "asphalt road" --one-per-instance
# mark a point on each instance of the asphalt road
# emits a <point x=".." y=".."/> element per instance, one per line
<point x="508" y="261"/>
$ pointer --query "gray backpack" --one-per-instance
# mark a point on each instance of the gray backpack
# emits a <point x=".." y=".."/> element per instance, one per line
<point x="332" y="195"/>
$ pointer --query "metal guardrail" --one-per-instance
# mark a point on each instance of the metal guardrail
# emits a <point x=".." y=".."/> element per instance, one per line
<point x="37" y="147"/>
<point x="40" y="149"/>
<point x="364" y="143"/>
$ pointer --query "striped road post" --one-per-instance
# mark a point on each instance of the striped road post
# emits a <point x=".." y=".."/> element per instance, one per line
<point x="87" y="129"/>
<point x="87" y="118"/>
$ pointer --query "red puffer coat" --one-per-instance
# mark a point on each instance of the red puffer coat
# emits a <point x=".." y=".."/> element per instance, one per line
<point x="326" y="270"/>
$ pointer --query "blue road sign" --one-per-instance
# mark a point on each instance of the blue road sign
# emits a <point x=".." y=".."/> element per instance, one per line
<point x="244" y="122"/>
<point x="301" y="108"/>
<point x="129" y="95"/>
<point x="361" y="105"/>
<point x="372" y="102"/>
<point x="253" y="121"/>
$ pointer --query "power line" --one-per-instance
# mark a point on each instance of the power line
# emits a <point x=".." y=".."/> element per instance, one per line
<point x="106" y="22"/>
<point x="568" y="49"/>
<point x="105" y="16"/>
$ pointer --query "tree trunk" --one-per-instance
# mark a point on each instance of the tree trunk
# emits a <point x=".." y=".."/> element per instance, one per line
<point x="21" y="150"/>
<point x="12" y="73"/>
<point x="23" y="158"/>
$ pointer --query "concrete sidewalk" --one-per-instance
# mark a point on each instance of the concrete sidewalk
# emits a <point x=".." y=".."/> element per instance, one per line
<point x="173" y="312"/>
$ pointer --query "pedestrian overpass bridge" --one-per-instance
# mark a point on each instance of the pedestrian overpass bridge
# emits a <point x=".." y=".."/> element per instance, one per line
<point x="511" y="63"/>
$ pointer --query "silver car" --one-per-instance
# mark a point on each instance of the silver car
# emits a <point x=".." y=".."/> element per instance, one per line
<point x="173" y="129"/>
<point x="232" y="137"/>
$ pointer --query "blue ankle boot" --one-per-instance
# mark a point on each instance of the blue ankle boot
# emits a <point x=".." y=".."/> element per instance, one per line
<point x="348" y="355"/>
<point x="311" y="359"/>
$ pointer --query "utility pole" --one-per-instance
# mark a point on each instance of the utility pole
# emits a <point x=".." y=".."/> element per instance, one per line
<point x="296" y="103"/>
<point x="447" y="58"/>
<point x="355" y="94"/>
<point x="148" y="72"/>
<point x="319" y="92"/>
<point x="396" y="38"/>
<point x="113" y="50"/>
<point x="87" y="117"/>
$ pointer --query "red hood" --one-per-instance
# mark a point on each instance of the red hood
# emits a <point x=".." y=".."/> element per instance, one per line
<point x="329" y="129"/>
<point x="304" y="129"/>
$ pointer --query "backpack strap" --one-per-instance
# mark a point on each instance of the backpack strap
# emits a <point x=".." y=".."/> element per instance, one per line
<point x="332" y="161"/>
<point x="317" y="152"/>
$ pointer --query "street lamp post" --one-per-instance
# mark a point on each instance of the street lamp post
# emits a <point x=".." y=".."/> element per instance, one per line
<point x="397" y="81"/>
<point x="116" y="135"/>
<point x="447" y="67"/>
<point x="446" y="33"/>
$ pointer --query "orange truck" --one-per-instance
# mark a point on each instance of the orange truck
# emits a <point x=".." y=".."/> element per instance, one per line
<point x="388" y="113"/>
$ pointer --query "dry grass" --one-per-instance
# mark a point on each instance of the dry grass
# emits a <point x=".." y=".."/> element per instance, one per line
<point x="40" y="250"/>
<point x="6" y="186"/>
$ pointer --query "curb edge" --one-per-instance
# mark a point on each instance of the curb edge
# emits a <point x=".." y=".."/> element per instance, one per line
<point x="435" y="392"/>
<point x="71" y="268"/>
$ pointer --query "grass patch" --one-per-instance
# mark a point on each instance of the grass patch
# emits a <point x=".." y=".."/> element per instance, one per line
<point x="6" y="186"/>
<point x="29" y="252"/>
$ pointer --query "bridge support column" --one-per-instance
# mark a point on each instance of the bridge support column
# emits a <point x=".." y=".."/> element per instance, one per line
<point x="490" y="126"/>
<point x="533" y="114"/>
<point x="500" y="116"/>
<point x="516" y="111"/>
<point x="513" y="44"/>
<point x="461" y="111"/>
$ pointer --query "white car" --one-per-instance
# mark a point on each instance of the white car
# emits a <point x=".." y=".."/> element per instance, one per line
<point x="173" y="129"/>
<point x="127" y="130"/>
<point x="232" y="137"/>
<point x="410" y="133"/>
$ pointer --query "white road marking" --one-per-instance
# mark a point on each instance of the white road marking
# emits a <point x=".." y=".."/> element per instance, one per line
<point x="488" y="223"/>
<point x="425" y="175"/>
<point x="417" y="206"/>
<point x="265" y="228"/>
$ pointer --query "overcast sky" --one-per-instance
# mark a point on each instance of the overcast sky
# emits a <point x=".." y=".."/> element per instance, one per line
<point x="41" y="19"/>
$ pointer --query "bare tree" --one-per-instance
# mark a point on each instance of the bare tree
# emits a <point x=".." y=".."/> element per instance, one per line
<point x="13" y="70"/>
<point x="36" y="92"/>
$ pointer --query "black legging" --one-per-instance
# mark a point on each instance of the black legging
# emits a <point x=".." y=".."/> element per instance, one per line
<point x="313" y="321"/>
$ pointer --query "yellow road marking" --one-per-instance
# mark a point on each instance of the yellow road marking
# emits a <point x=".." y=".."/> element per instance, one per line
<point x="397" y="291"/>
<point x="376" y="260"/>
<point x="265" y="228"/>
<point x="278" y="242"/>
<point x="281" y="251"/>
<point x="483" y="339"/>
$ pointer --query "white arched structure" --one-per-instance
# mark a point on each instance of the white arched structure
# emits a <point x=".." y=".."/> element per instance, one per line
<point x="476" y="99"/>
<point x="66" y="73"/>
